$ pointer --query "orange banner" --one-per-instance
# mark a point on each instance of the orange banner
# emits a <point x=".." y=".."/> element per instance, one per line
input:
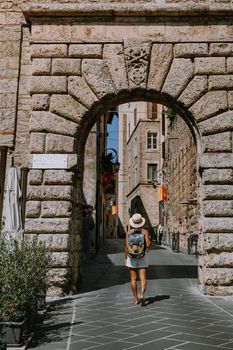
<point x="114" y="209"/>
<point x="164" y="194"/>
<point x="159" y="193"/>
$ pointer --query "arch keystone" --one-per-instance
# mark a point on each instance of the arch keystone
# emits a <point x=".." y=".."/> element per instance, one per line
<point x="137" y="55"/>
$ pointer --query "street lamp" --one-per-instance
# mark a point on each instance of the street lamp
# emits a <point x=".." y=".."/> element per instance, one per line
<point x="110" y="161"/>
<point x="158" y="179"/>
<point x="161" y="185"/>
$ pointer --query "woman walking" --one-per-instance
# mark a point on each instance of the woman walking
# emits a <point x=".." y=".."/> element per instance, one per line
<point x="138" y="242"/>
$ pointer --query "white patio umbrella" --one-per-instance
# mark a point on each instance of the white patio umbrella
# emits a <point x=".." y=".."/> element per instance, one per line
<point x="12" y="205"/>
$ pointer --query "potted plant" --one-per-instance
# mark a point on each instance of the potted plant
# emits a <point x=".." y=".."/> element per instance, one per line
<point x="2" y="345"/>
<point x="23" y="272"/>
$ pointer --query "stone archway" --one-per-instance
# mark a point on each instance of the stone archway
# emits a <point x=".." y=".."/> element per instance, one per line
<point x="74" y="82"/>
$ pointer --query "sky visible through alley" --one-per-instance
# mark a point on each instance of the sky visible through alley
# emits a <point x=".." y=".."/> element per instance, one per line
<point x="113" y="134"/>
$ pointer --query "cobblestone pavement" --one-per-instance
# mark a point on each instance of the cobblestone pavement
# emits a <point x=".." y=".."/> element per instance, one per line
<point x="102" y="316"/>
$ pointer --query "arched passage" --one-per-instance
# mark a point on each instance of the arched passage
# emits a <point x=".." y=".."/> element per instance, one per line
<point x="135" y="189"/>
<point x="110" y="101"/>
<point x="134" y="96"/>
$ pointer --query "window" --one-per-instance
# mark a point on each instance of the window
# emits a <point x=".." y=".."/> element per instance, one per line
<point x="154" y="112"/>
<point x="135" y="147"/>
<point x="152" y="140"/>
<point x="3" y="159"/>
<point x="135" y="116"/>
<point x="151" y="171"/>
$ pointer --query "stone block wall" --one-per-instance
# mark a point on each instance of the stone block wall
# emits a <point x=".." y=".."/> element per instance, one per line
<point x="49" y="209"/>
<point x="10" y="37"/>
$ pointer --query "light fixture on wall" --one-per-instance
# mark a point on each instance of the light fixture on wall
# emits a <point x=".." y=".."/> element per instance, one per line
<point x="158" y="179"/>
<point x="110" y="161"/>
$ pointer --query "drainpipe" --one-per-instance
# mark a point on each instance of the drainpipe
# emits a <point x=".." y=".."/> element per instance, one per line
<point x="3" y="156"/>
<point x="97" y="197"/>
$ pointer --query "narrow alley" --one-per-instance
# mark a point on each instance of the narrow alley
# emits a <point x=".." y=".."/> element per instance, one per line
<point x="102" y="316"/>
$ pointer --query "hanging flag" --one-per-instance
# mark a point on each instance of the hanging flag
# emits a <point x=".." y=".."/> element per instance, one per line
<point x="164" y="194"/>
<point x="107" y="178"/>
<point x="114" y="210"/>
<point x="159" y="193"/>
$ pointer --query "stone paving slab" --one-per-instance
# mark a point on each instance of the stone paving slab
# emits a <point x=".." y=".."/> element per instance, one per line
<point x="102" y="316"/>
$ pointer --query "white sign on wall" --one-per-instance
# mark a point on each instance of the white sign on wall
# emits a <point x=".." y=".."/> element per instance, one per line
<point x="50" y="161"/>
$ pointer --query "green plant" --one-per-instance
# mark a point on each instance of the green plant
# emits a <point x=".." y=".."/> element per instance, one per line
<point x="23" y="274"/>
<point x="169" y="113"/>
<point x="2" y="345"/>
<point x="1" y="224"/>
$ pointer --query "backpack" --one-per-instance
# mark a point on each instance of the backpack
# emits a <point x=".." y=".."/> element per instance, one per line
<point x="136" y="244"/>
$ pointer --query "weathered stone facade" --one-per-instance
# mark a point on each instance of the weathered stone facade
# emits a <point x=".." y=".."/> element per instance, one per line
<point x="64" y="63"/>
<point x="182" y="210"/>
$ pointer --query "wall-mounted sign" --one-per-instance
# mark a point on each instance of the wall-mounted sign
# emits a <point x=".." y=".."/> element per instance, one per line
<point x="50" y="161"/>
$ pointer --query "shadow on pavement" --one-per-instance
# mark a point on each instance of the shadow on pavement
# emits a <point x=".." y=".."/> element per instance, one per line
<point x="114" y="275"/>
<point x="51" y="331"/>
<point x="172" y="271"/>
<point x="152" y="300"/>
<point x="107" y="268"/>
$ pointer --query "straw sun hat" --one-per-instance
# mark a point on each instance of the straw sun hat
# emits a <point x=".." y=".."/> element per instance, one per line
<point x="137" y="221"/>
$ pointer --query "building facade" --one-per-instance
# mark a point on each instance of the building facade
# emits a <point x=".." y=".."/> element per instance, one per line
<point x="180" y="169"/>
<point x="99" y="190"/>
<point x="139" y="149"/>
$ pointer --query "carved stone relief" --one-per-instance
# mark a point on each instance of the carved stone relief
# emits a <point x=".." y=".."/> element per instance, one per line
<point x="137" y="57"/>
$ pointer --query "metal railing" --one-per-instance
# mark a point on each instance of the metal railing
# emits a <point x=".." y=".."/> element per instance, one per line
<point x="193" y="243"/>
<point x="171" y="239"/>
<point x="166" y="239"/>
<point x="176" y="242"/>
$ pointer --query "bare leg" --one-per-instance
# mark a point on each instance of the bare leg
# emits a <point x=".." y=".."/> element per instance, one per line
<point x="143" y="282"/>
<point x="133" y="281"/>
